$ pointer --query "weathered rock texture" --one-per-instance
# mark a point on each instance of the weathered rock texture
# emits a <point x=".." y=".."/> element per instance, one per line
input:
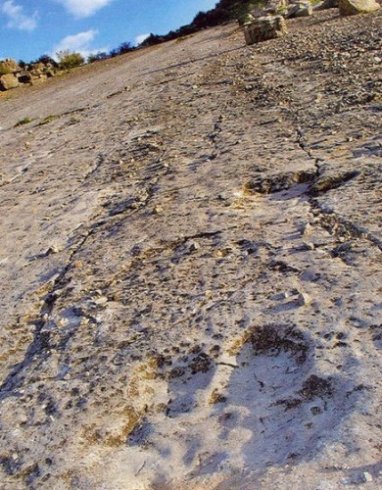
<point x="299" y="9"/>
<point x="326" y="4"/>
<point x="190" y="267"/>
<point x="353" y="7"/>
<point x="264" y="28"/>
<point x="8" y="81"/>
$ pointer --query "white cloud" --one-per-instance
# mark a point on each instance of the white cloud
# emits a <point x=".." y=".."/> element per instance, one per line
<point x="140" y="38"/>
<point x="17" y="19"/>
<point x="83" y="8"/>
<point x="79" y="43"/>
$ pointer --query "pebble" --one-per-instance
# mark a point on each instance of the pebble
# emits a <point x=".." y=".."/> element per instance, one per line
<point x="52" y="250"/>
<point x="368" y="477"/>
<point x="194" y="246"/>
<point x="101" y="300"/>
<point x="304" y="299"/>
<point x="309" y="245"/>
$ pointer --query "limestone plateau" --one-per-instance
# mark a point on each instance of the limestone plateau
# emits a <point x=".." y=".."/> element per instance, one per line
<point x="190" y="266"/>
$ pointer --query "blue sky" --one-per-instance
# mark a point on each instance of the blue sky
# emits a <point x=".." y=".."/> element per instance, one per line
<point x="30" y="28"/>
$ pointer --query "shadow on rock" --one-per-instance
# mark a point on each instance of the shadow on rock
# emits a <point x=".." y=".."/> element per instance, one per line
<point x="279" y="401"/>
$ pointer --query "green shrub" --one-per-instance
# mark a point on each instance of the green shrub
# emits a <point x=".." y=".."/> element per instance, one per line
<point x="25" y="120"/>
<point x="68" y="60"/>
<point x="122" y="49"/>
<point x="97" y="57"/>
<point x="4" y="69"/>
<point x="47" y="120"/>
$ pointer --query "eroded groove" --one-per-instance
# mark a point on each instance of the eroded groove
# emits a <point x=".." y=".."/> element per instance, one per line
<point x="39" y="348"/>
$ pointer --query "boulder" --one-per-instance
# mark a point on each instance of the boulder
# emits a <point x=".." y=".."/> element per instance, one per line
<point x="9" y="66"/>
<point x="264" y="28"/>
<point x="39" y="66"/>
<point x="8" y="81"/>
<point x="299" y="9"/>
<point x="35" y="72"/>
<point x="326" y="4"/>
<point x="24" y="77"/>
<point x="353" y="7"/>
<point x="39" y="78"/>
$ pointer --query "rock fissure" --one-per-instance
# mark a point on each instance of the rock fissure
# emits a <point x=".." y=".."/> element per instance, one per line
<point x="217" y="316"/>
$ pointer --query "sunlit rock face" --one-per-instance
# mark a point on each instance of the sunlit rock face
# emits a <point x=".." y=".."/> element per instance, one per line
<point x="190" y="266"/>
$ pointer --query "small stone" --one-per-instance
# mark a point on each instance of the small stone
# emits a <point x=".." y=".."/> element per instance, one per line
<point x="194" y="246"/>
<point x="222" y="253"/>
<point x="101" y="300"/>
<point x="52" y="250"/>
<point x="304" y="299"/>
<point x="368" y="477"/>
<point x="309" y="245"/>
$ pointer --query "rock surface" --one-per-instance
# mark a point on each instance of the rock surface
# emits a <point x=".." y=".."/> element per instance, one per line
<point x="299" y="9"/>
<point x="353" y="7"/>
<point x="264" y="28"/>
<point x="8" y="81"/>
<point x="190" y="266"/>
<point x="326" y="4"/>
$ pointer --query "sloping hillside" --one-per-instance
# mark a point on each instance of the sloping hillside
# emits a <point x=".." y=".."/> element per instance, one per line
<point x="190" y="266"/>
